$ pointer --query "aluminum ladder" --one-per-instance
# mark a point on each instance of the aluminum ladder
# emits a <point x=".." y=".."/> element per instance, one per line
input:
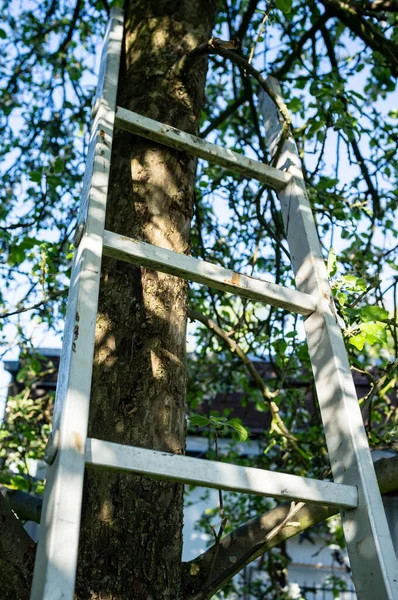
<point x="354" y="490"/>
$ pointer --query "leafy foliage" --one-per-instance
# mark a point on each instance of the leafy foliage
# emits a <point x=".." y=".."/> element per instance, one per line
<point x="24" y="432"/>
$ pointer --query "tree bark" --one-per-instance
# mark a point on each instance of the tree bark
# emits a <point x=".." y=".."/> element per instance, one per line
<point x="131" y="536"/>
<point x="17" y="555"/>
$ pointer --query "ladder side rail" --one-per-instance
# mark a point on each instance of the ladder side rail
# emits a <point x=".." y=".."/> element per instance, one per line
<point x="216" y="474"/>
<point x="200" y="271"/>
<point x="56" y="558"/>
<point x="196" y="146"/>
<point x="88" y="172"/>
<point x="368" y="539"/>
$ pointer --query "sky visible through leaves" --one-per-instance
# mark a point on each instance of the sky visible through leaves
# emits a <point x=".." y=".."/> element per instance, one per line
<point x="272" y="42"/>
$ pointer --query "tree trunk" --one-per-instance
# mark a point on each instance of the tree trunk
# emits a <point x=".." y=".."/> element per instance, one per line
<point x="17" y="555"/>
<point x="131" y="537"/>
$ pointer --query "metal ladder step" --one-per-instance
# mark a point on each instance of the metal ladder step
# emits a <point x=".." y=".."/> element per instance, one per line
<point x="193" y="269"/>
<point x="180" y="140"/>
<point x="216" y="474"/>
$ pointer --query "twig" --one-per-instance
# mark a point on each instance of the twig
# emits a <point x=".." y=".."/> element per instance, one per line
<point x="227" y="49"/>
<point x="298" y="47"/>
<point x="106" y="6"/>
<point x="357" y="153"/>
<point x="278" y="424"/>
<point x="368" y="399"/>
<point x="246" y="18"/>
<point x="371" y="35"/>
<point x="294" y="509"/>
<point x="260" y="31"/>
<point x="222" y="116"/>
<point x="17" y="311"/>
<point x="224" y="518"/>
<point x="357" y="300"/>
<point x="376" y="5"/>
<point x="281" y="143"/>
<point x="261" y="219"/>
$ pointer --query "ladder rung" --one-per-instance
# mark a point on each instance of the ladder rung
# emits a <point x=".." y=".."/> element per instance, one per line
<point x="180" y="140"/>
<point x="206" y="473"/>
<point x="193" y="269"/>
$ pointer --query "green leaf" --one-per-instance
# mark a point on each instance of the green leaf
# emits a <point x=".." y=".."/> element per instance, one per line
<point x="3" y="34"/>
<point x="74" y="74"/>
<point x="373" y="313"/>
<point x="358" y="341"/>
<point x="332" y="263"/>
<point x="370" y="333"/>
<point x="35" y="366"/>
<point x="238" y="427"/>
<point x="58" y="165"/>
<point x="284" y="5"/>
<point x="199" y="420"/>
<point x="295" y="105"/>
<point x="19" y="482"/>
<point x="315" y="125"/>
<point x="35" y="176"/>
<point x="342" y="298"/>
<point x="356" y="284"/>
<point x="218" y="421"/>
<point x="374" y="332"/>
<point x="18" y="252"/>
<point x="54" y="180"/>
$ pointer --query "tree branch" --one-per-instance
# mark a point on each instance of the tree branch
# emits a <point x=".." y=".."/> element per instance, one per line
<point x="22" y="309"/>
<point x="376" y="6"/>
<point x="354" y="144"/>
<point x="278" y="424"/>
<point x="231" y="108"/>
<point x="377" y="386"/>
<point x="72" y="25"/>
<point x="261" y="219"/>
<point x="366" y="175"/>
<point x="26" y="506"/>
<point x="252" y="539"/>
<point x="247" y="17"/>
<point x="217" y="46"/>
<point x="298" y="46"/>
<point x="17" y="553"/>
<point x="106" y="6"/>
<point x="366" y="31"/>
